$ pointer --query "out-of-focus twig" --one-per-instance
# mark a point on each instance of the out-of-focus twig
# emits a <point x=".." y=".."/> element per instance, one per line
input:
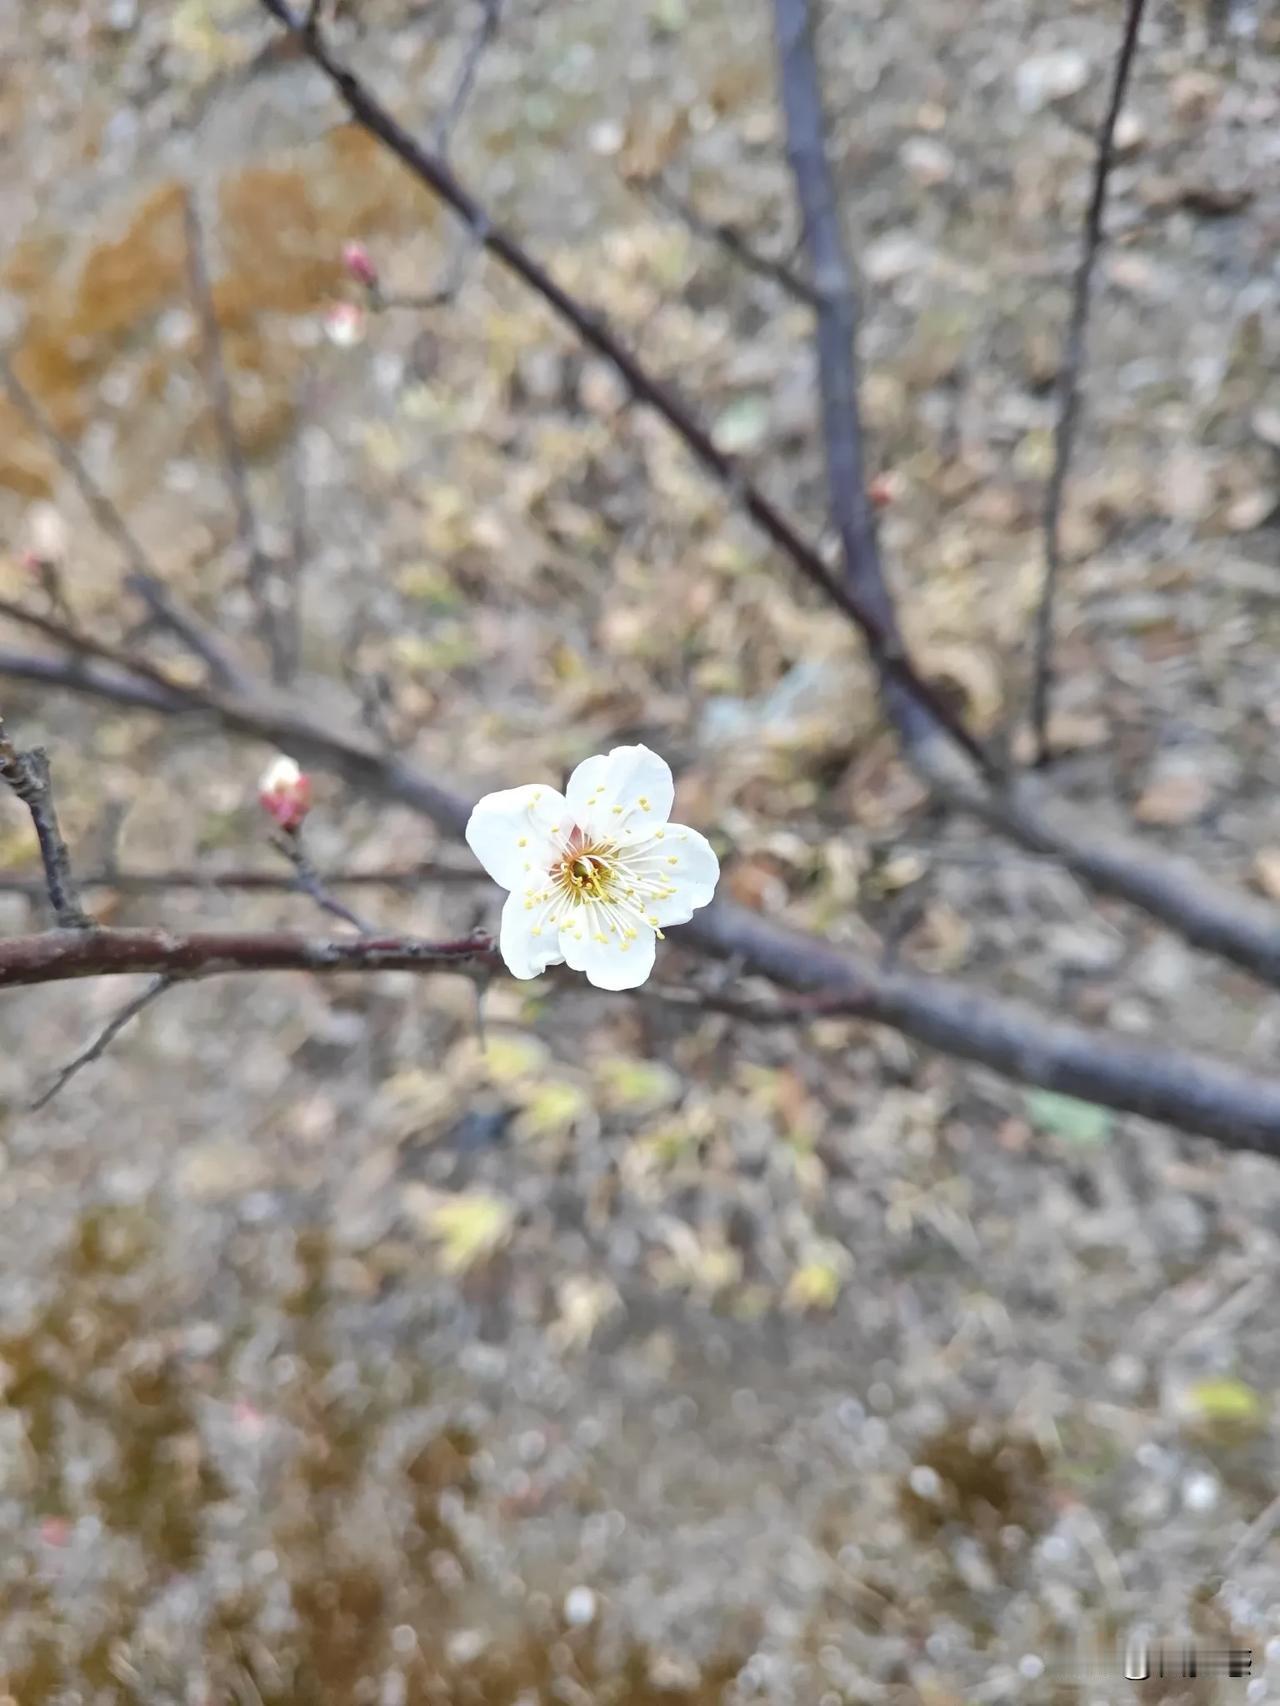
<point x="307" y="880"/>
<point x="401" y="879"/>
<point x="144" y="578"/>
<point x="727" y="237"/>
<point x="256" y="562"/>
<point x="481" y="40"/>
<point x="104" y="1039"/>
<point x="1069" y="386"/>
<point x="28" y="775"/>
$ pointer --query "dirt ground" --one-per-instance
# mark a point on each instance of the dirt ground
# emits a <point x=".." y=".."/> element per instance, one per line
<point x="348" y="1358"/>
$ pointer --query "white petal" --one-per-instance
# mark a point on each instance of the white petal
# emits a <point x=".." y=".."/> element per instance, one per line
<point x="501" y="821"/>
<point x="615" y="963"/>
<point x="629" y="788"/>
<point x="693" y="875"/>
<point x="580" y="793"/>
<point x="524" y="953"/>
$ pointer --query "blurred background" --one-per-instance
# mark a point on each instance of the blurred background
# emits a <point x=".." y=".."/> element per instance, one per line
<point x="348" y="1357"/>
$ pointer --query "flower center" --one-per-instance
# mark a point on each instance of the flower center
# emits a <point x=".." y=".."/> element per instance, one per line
<point x="586" y="872"/>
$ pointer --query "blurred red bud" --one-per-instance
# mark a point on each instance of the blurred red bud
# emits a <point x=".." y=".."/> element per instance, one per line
<point x="360" y="265"/>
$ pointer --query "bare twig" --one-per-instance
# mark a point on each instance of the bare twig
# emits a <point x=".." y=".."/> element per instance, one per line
<point x="477" y="47"/>
<point x="27" y="773"/>
<point x="1069" y="386"/>
<point x="403" y="878"/>
<point x="257" y="563"/>
<point x="104" y="1039"/>
<point x="436" y="175"/>
<point x="729" y="238"/>
<point x="307" y="880"/>
<point x="144" y="578"/>
<point x="837" y="326"/>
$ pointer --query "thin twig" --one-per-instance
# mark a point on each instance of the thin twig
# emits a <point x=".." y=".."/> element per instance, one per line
<point x="837" y="329"/>
<point x="307" y="880"/>
<point x="103" y="1041"/>
<point x="477" y="47"/>
<point x="144" y="579"/>
<point x="404" y="878"/>
<point x="257" y="563"/>
<point x="1069" y="386"/>
<point x="591" y="327"/>
<point x="729" y="238"/>
<point x="27" y="773"/>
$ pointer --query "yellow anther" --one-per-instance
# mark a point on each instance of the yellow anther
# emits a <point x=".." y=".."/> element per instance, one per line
<point x="659" y="835"/>
<point x="644" y="804"/>
<point x="523" y="841"/>
<point x="536" y="931"/>
<point x="599" y="937"/>
<point x="672" y="860"/>
<point x="617" y="811"/>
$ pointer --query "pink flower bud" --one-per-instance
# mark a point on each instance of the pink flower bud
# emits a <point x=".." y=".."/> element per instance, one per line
<point x="885" y="489"/>
<point x="344" y="324"/>
<point x="284" y="793"/>
<point x="360" y="265"/>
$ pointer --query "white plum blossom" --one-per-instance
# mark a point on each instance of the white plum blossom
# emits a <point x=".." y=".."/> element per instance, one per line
<point x="595" y="872"/>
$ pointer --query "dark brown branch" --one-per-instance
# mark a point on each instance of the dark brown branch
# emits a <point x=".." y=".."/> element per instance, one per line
<point x="1189" y="1092"/>
<point x="104" y="1039"/>
<point x="58" y="955"/>
<point x="257" y="564"/>
<point x="837" y="330"/>
<point x="729" y="238"/>
<point x="1069" y="385"/>
<point x="436" y="175"/>
<point x="144" y="579"/>
<point x="27" y="773"/>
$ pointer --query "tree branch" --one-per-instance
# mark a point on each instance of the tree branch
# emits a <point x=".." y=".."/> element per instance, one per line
<point x="55" y="956"/>
<point x="435" y="174"/>
<point x="1069" y="386"/>
<point x="837" y="329"/>
<point x="1187" y="1091"/>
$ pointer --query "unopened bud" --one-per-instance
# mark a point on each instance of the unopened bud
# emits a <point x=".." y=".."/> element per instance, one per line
<point x="885" y="489"/>
<point x="284" y="792"/>
<point x="46" y="538"/>
<point x="344" y="324"/>
<point x="360" y="265"/>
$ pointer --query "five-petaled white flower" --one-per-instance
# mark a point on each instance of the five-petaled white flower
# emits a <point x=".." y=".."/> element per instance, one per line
<point x="595" y="872"/>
